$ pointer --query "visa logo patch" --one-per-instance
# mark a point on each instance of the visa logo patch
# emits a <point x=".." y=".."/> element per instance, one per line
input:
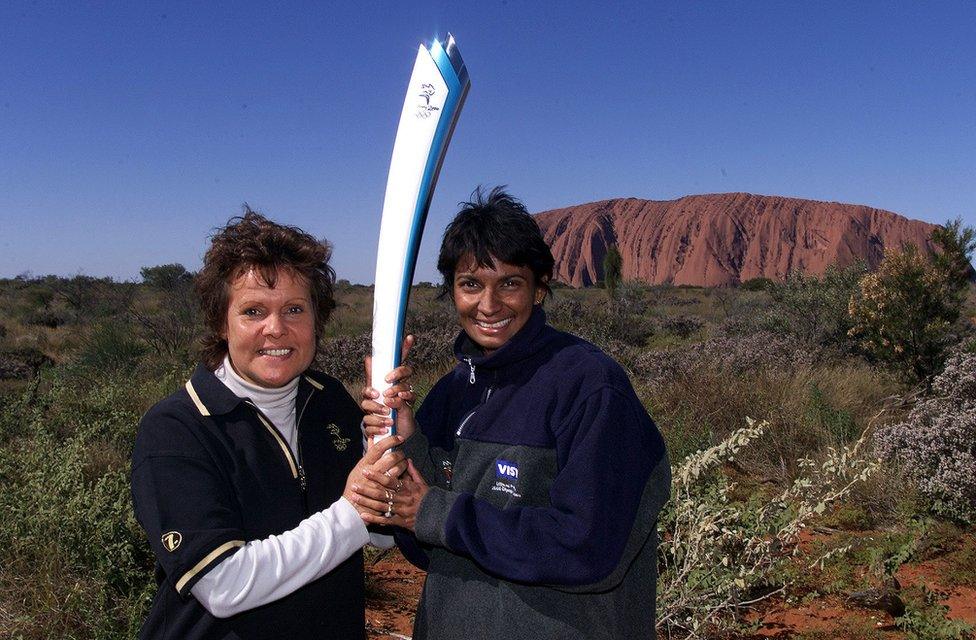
<point x="505" y="469"/>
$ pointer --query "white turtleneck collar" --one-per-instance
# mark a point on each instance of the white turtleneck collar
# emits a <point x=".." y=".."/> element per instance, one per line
<point x="278" y="403"/>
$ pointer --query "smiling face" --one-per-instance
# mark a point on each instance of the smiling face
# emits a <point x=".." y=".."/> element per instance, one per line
<point x="270" y="333"/>
<point x="493" y="304"/>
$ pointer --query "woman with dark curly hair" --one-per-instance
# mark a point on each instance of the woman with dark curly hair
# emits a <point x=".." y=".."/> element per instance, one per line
<point x="248" y="481"/>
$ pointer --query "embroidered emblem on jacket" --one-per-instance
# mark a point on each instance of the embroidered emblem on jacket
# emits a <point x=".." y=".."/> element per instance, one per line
<point x="338" y="441"/>
<point x="172" y="540"/>
<point x="506" y="474"/>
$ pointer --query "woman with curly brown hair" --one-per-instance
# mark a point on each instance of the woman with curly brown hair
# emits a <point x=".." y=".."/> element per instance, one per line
<point x="248" y="481"/>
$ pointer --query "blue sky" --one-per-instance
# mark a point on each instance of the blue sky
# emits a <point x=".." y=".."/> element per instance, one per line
<point x="128" y="131"/>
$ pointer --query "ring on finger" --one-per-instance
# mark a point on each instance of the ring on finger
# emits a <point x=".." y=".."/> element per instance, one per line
<point x="389" y="510"/>
<point x="389" y="496"/>
<point x="399" y="485"/>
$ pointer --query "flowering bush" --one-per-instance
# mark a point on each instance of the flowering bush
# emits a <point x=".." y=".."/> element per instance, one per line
<point x="937" y="442"/>
<point x="726" y="354"/>
<point x="902" y="314"/>
<point x="718" y="554"/>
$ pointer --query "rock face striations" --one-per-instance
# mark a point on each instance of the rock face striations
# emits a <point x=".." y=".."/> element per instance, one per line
<point x="721" y="239"/>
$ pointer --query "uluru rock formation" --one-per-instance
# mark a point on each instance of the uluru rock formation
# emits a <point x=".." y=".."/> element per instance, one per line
<point x="721" y="239"/>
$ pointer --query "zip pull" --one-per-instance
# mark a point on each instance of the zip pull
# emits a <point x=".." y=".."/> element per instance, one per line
<point x="470" y="364"/>
<point x="301" y="478"/>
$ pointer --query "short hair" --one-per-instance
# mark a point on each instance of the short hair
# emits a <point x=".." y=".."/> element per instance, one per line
<point x="495" y="226"/>
<point x="251" y="241"/>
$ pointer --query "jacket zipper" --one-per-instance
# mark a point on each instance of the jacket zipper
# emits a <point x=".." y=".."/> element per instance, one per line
<point x="487" y="396"/>
<point x="298" y="439"/>
<point x="465" y="421"/>
<point x="297" y="471"/>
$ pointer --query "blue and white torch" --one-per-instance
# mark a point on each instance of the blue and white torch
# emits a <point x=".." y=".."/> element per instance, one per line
<point x="438" y="86"/>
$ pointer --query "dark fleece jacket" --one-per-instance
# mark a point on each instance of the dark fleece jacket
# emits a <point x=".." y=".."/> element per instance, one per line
<point x="547" y="477"/>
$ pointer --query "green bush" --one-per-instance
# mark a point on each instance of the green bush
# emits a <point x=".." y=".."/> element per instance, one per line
<point x="110" y="346"/>
<point x="814" y="309"/>
<point x="757" y="284"/>
<point x="902" y="314"/>
<point x="76" y="563"/>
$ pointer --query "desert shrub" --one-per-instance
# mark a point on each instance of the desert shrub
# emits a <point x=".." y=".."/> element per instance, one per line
<point x="166" y="314"/>
<point x="683" y="326"/>
<point x="166" y="276"/>
<point x="926" y="618"/>
<point x="718" y="553"/>
<point x="757" y="284"/>
<point x="622" y="321"/>
<point x="937" y="442"/>
<point x="110" y="346"/>
<point x="727" y="354"/>
<point x="902" y="314"/>
<point x="75" y="562"/>
<point x="697" y="393"/>
<point x="813" y="309"/>
<point x="22" y="362"/>
<point x="956" y="245"/>
<point x="342" y="357"/>
<point x="92" y="298"/>
<point x="434" y="328"/>
<point x="50" y="318"/>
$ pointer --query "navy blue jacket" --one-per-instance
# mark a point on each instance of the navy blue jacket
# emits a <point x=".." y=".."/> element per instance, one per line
<point x="547" y="477"/>
<point x="209" y="475"/>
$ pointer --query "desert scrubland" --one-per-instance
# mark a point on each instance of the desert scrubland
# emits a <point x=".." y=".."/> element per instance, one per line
<point x="822" y="432"/>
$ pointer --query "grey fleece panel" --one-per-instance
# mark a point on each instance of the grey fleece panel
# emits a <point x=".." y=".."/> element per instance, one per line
<point x="619" y="607"/>
<point x="493" y="608"/>
<point x="657" y="490"/>
<point x="476" y="472"/>
<point x="417" y="448"/>
<point x="432" y="516"/>
<point x="433" y="463"/>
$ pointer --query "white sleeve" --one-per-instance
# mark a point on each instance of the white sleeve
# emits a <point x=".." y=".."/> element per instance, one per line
<point x="263" y="571"/>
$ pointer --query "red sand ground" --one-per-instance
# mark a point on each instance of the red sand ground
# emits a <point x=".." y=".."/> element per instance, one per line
<point x="393" y="588"/>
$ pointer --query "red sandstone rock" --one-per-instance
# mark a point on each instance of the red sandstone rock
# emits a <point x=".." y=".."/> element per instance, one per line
<point x="721" y="239"/>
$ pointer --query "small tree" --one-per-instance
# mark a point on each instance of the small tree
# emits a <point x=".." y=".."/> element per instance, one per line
<point x="166" y="276"/>
<point x="812" y="308"/>
<point x="903" y="312"/>
<point x="167" y="314"/>
<point x="956" y="244"/>
<point x="612" y="270"/>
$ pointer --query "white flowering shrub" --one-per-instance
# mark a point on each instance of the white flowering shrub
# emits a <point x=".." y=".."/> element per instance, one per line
<point x="718" y="554"/>
<point x="937" y="442"/>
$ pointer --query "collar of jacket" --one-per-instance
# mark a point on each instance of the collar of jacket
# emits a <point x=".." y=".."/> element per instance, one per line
<point x="213" y="398"/>
<point x="523" y="344"/>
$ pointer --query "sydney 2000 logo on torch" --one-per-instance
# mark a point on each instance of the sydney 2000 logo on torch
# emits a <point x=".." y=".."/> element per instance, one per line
<point x="506" y="478"/>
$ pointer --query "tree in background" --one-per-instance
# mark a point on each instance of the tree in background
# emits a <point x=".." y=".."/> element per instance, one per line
<point x="612" y="270"/>
<point x="902" y="314"/>
<point x="166" y="276"/>
<point x="956" y="244"/>
<point x="167" y="314"/>
<point x="814" y="309"/>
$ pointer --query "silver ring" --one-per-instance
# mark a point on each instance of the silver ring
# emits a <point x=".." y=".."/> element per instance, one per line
<point x="389" y="496"/>
<point x="399" y="486"/>
<point x="389" y="510"/>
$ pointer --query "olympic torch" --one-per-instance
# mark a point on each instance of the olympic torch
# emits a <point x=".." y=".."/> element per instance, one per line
<point x="435" y="95"/>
